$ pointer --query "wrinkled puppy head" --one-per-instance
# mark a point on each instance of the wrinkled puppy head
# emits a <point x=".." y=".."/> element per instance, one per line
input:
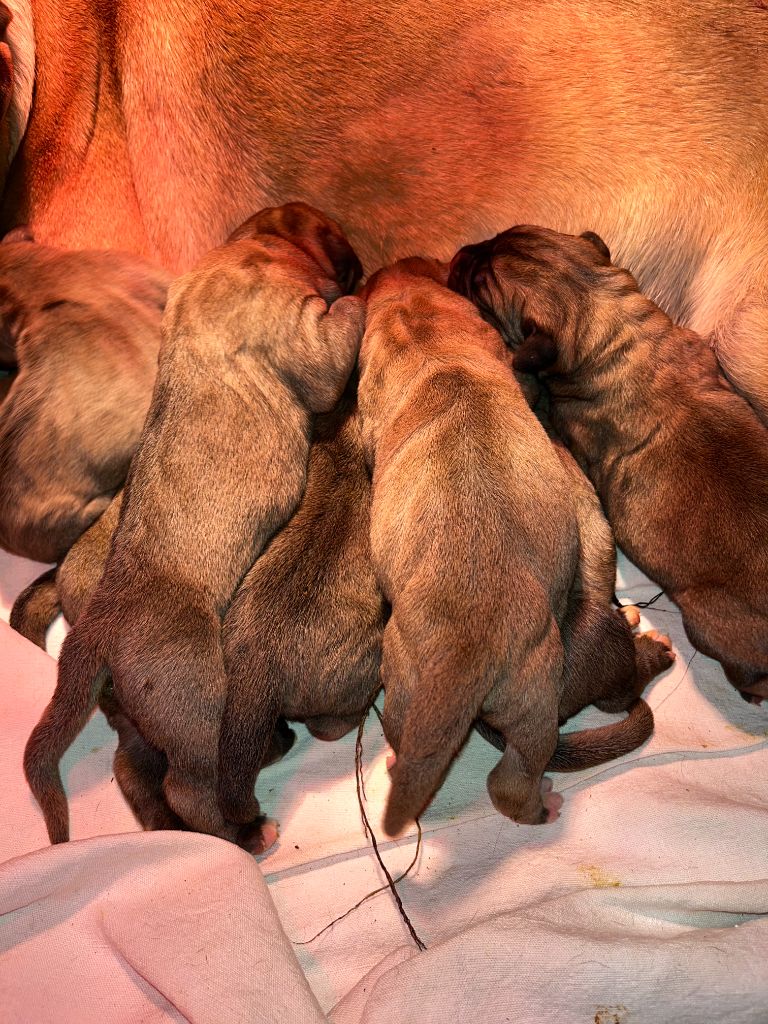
<point x="396" y="275"/>
<point x="314" y="233"/>
<point x="538" y="288"/>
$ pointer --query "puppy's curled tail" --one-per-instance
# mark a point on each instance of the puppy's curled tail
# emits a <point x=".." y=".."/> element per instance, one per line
<point x="81" y="677"/>
<point x="591" y="747"/>
<point x="36" y="607"/>
<point x="439" y="716"/>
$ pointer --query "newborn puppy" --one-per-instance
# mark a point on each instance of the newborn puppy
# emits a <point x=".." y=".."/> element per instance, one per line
<point x="83" y="328"/>
<point x="605" y="664"/>
<point x="139" y="768"/>
<point x="679" y="459"/>
<point x="475" y="542"/>
<point x="256" y="340"/>
<point x="302" y="637"/>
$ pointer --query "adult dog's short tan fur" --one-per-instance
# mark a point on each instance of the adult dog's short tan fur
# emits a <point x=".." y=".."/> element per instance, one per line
<point x="302" y="637"/>
<point x="679" y="459"/>
<point x="83" y="328"/>
<point x="255" y="341"/>
<point x="423" y="125"/>
<point x="476" y="544"/>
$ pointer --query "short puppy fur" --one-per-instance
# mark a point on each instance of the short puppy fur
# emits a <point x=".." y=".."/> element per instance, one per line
<point x="475" y="542"/>
<point x="139" y="768"/>
<point x="679" y="459"/>
<point x="83" y="331"/>
<point x="302" y="637"/>
<point x="256" y="340"/>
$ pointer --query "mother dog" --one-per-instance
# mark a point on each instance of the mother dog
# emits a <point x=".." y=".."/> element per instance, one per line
<point x="158" y="125"/>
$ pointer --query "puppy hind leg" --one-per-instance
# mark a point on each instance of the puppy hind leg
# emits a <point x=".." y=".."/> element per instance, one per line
<point x="184" y="721"/>
<point x="139" y="772"/>
<point x="599" y="661"/>
<point x="525" y="712"/>
<point x="516" y="785"/>
<point x="250" y="719"/>
<point x="139" y="769"/>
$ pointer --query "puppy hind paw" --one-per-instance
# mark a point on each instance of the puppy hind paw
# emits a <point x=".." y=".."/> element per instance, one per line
<point x="258" y="836"/>
<point x="632" y="614"/>
<point x="553" y="802"/>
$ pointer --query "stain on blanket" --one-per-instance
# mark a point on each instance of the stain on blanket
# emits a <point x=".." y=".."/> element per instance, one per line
<point x="600" y="880"/>
<point x="618" y="1014"/>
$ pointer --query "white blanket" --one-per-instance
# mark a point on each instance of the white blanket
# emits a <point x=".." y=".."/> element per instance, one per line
<point x="646" y="903"/>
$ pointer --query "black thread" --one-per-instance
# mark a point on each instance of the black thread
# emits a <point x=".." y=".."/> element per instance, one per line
<point x="637" y="604"/>
<point x="391" y="882"/>
<point x="369" y="831"/>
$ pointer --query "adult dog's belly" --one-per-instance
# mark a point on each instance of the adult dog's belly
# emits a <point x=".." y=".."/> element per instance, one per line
<point x="420" y="127"/>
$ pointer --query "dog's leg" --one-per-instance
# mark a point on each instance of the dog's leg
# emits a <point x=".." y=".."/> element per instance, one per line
<point x="525" y="713"/>
<point x="139" y="770"/>
<point x="599" y="658"/>
<point x="251" y="714"/>
<point x="516" y="785"/>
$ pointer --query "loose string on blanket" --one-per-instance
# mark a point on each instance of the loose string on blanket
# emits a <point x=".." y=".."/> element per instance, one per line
<point x="637" y="604"/>
<point x="391" y="882"/>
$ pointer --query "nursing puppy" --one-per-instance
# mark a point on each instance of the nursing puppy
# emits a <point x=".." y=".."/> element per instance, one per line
<point x="475" y="541"/>
<point x="605" y="664"/>
<point x="83" y="328"/>
<point x="256" y="340"/>
<point x="139" y="768"/>
<point x="302" y="637"/>
<point x="679" y="460"/>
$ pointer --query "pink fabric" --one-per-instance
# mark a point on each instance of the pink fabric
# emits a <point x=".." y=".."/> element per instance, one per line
<point x="646" y="903"/>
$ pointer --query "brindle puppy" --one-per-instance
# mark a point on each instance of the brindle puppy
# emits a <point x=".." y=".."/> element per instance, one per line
<point x="255" y="341"/>
<point x="679" y="460"/>
<point x="84" y="330"/>
<point x="476" y="545"/>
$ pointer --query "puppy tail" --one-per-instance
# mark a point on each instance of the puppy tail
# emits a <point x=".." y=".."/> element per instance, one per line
<point x="591" y="747"/>
<point x="36" y="607"/>
<point x="81" y="677"/>
<point x="437" y="721"/>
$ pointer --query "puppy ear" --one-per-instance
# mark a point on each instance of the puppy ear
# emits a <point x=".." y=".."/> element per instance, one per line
<point x="347" y="267"/>
<point x="598" y="243"/>
<point x="538" y="352"/>
<point x="21" y="233"/>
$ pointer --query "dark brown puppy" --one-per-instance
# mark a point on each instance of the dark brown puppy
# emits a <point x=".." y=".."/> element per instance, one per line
<point x="255" y="341"/>
<point x="476" y="545"/>
<point x="680" y="461"/>
<point x="302" y="637"/>
<point x="84" y="330"/>
<point x="139" y="768"/>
